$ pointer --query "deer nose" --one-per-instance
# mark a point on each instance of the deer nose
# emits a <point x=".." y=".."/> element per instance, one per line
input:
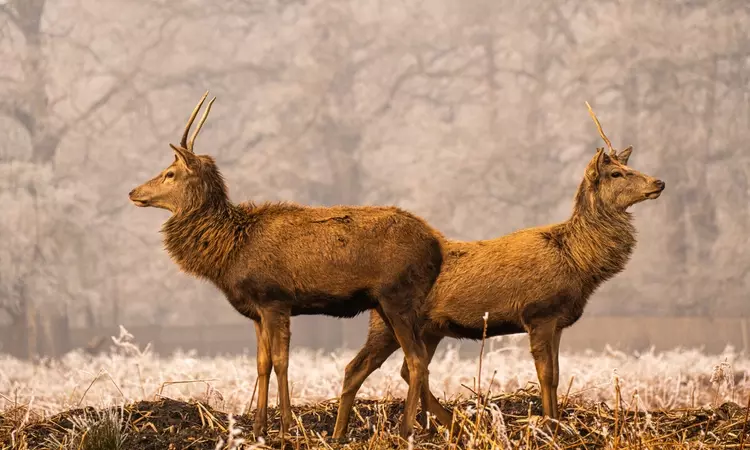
<point x="660" y="184"/>
<point x="130" y="194"/>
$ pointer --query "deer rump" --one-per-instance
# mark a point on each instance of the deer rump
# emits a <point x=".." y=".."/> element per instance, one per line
<point x="335" y="261"/>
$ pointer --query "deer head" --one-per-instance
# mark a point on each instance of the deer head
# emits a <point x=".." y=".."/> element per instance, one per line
<point x="616" y="186"/>
<point x="191" y="181"/>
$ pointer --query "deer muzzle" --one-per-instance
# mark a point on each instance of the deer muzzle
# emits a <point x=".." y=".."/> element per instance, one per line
<point x="659" y="185"/>
<point x="133" y="195"/>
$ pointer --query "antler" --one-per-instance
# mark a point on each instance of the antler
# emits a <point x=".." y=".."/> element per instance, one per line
<point x="601" y="132"/>
<point x="184" y="143"/>
<point x="200" y="125"/>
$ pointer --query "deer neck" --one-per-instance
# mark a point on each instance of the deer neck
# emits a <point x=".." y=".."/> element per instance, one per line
<point x="204" y="241"/>
<point x="599" y="241"/>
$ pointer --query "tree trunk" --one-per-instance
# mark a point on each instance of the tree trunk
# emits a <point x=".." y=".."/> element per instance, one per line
<point x="33" y="102"/>
<point x="32" y="330"/>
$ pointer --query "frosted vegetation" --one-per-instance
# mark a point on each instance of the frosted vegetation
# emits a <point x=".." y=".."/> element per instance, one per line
<point x="674" y="379"/>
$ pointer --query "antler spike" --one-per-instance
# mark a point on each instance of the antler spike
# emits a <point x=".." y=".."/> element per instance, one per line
<point x="599" y="128"/>
<point x="191" y="142"/>
<point x="183" y="141"/>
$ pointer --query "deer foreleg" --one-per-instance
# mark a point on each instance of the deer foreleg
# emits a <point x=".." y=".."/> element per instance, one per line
<point x="264" y="372"/>
<point x="542" y="337"/>
<point x="556" y="368"/>
<point x="280" y="334"/>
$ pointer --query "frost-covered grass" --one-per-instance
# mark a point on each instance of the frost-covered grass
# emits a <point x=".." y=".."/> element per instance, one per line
<point x="668" y="380"/>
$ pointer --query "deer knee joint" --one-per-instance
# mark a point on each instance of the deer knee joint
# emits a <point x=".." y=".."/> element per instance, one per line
<point x="280" y="364"/>
<point x="539" y="352"/>
<point x="405" y="371"/>
<point x="264" y="365"/>
<point x="416" y="367"/>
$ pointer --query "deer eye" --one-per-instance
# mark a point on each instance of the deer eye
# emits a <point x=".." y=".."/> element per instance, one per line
<point x="169" y="174"/>
<point x="616" y="174"/>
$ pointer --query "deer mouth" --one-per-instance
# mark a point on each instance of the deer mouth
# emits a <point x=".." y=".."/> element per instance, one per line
<point x="140" y="203"/>
<point x="654" y="194"/>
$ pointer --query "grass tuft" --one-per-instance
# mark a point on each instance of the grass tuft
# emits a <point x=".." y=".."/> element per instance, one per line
<point x="92" y="430"/>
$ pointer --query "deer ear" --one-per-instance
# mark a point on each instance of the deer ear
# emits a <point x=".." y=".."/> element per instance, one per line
<point x="603" y="160"/>
<point x="184" y="156"/>
<point x="625" y="155"/>
<point x="597" y="163"/>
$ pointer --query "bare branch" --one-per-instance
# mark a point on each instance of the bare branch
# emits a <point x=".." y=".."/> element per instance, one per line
<point x="194" y="76"/>
<point x="4" y="10"/>
<point x="8" y="79"/>
<point x="116" y="88"/>
<point x="450" y="73"/>
<point x="563" y="24"/>
<point x="12" y="110"/>
<point x="405" y="76"/>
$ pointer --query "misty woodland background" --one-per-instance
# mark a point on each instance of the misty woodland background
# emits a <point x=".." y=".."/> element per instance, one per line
<point x="470" y="114"/>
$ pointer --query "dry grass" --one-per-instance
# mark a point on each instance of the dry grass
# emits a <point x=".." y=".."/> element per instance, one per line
<point x="509" y="421"/>
<point x="679" y="399"/>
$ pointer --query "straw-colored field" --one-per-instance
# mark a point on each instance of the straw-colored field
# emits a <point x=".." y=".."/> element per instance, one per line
<point x="670" y="381"/>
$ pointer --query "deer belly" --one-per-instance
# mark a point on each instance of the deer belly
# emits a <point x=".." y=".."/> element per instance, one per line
<point x="344" y="306"/>
<point x="474" y="330"/>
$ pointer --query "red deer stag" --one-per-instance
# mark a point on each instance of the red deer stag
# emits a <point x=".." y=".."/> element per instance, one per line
<point x="535" y="280"/>
<point x="274" y="261"/>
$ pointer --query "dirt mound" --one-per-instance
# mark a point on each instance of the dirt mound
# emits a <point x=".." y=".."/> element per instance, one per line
<point x="508" y="419"/>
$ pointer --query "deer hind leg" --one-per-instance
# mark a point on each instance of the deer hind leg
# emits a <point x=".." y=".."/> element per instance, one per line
<point x="405" y="327"/>
<point x="556" y="367"/>
<point x="542" y="340"/>
<point x="429" y="402"/>
<point x="280" y="335"/>
<point x="380" y="344"/>
<point x="263" y="339"/>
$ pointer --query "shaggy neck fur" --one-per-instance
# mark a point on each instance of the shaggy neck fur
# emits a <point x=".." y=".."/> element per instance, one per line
<point x="204" y="239"/>
<point x="599" y="240"/>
